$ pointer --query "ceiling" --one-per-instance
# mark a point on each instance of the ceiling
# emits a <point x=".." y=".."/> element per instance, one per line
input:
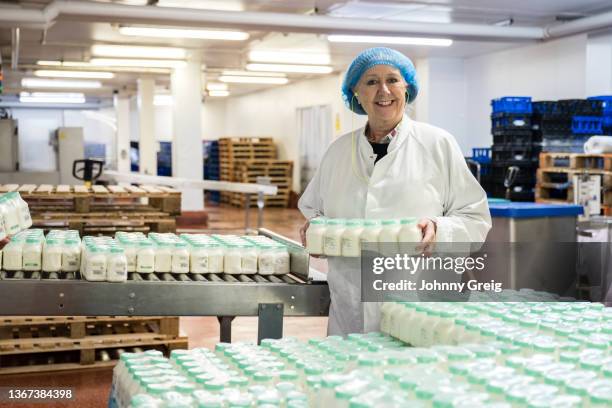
<point x="70" y="38"/>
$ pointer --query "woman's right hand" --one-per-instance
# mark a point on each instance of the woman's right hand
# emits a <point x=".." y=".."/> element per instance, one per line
<point x="4" y="242"/>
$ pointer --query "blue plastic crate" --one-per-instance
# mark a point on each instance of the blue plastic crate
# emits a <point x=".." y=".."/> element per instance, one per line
<point x="481" y="154"/>
<point x="512" y="104"/>
<point x="587" y="125"/>
<point x="607" y="103"/>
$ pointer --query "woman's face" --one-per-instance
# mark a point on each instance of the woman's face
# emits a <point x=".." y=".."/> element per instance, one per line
<point x="381" y="91"/>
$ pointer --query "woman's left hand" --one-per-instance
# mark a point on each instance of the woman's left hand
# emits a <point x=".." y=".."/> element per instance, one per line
<point x="428" y="229"/>
<point x="3" y="242"/>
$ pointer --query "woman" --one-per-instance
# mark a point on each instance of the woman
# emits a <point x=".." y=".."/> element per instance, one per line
<point x="394" y="167"/>
<point x="3" y="242"/>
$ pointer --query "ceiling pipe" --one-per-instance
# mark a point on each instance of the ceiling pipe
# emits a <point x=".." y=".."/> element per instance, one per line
<point x="285" y="22"/>
<point x="15" y="42"/>
<point x="581" y="25"/>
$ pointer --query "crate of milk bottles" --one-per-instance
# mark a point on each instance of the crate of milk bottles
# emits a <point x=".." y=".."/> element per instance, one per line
<point x="14" y="214"/>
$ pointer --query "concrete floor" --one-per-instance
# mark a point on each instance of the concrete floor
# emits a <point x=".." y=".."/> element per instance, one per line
<point x="91" y="387"/>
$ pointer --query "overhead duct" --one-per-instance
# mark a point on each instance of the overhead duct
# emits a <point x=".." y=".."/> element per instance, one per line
<point x="284" y="22"/>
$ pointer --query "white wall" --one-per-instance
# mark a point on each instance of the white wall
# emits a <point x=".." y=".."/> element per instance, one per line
<point x="599" y="65"/>
<point x="213" y="118"/>
<point x="547" y="71"/>
<point x="272" y="113"/>
<point x="37" y="127"/>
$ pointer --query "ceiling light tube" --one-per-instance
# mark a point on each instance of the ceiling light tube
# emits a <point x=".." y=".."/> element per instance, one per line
<point x="73" y="74"/>
<point x="289" y="57"/>
<point x="250" y="73"/>
<point x="184" y="33"/>
<point x="54" y="83"/>
<point x="253" y="80"/>
<point x="75" y="64"/>
<point x="216" y="87"/>
<point x="137" y="63"/>
<point x="434" y="42"/>
<point x="303" y="69"/>
<point x="42" y="97"/>
<point x="218" y="93"/>
<point x="131" y="51"/>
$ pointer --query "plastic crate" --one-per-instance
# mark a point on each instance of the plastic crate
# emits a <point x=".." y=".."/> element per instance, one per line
<point x="512" y="104"/>
<point x="579" y="107"/>
<point x="544" y="107"/>
<point x="519" y="155"/>
<point x="481" y="154"/>
<point x="606" y="103"/>
<point x="526" y="174"/>
<point x="554" y="125"/>
<point x="510" y="121"/>
<point x="587" y="125"/>
<point x="520" y="138"/>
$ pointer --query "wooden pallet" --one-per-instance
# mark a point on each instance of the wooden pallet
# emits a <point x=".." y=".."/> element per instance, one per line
<point x="81" y="198"/>
<point x="231" y="149"/>
<point x="576" y="161"/>
<point x="74" y="342"/>
<point x="554" y="180"/>
<point x="106" y="222"/>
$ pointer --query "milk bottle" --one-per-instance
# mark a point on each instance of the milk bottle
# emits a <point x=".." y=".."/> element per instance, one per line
<point x="369" y="234"/>
<point x="25" y="219"/>
<point x="10" y="215"/>
<point x="71" y="256"/>
<point x="32" y="254"/>
<point x="180" y="258"/>
<point x="332" y="238"/>
<point x="13" y="255"/>
<point x="314" y="236"/>
<point x="145" y="260"/>
<point x="52" y="256"/>
<point x="116" y="265"/>
<point x="350" y="238"/>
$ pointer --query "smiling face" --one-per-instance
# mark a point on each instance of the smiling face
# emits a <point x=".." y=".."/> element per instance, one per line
<point x="381" y="91"/>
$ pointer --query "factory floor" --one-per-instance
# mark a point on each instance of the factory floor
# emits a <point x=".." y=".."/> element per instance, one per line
<point x="91" y="387"/>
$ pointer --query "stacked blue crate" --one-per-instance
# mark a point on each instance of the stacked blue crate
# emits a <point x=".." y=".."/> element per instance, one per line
<point x="211" y="166"/>
<point x="606" y="113"/>
<point x="164" y="159"/>
<point x="514" y="144"/>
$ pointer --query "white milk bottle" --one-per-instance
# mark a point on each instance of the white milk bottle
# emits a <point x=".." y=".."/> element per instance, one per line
<point x="163" y="257"/>
<point x="314" y="236"/>
<point x="180" y="258"/>
<point x="10" y="216"/>
<point x="145" y="257"/>
<point x="409" y="235"/>
<point x="52" y="256"/>
<point x="249" y="258"/>
<point x="25" y="219"/>
<point x="350" y="238"/>
<point x="232" y="261"/>
<point x="32" y="254"/>
<point x="266" y="259"/>
<point x="131" y="250"/>
<point x="2" y="228"/>
<point x="281" y="259"/>
<point x="369" y="234"/>
<point x="332" y="238"/>
<point x="96" y="264"/>
<point x="199" y="258"/>
<point x="215" y="258"/>
<point x="13" y="256"/>
<point x="116" y="265"/>
<point x="387" y="239"/>
<point x="71" y="256"/>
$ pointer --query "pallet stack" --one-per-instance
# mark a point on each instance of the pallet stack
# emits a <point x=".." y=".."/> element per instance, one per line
<point x="39" y="344"/>
<point x="514" y="144"/>
<point x="555" y="176"/>
<point x="101" y="209"/>
<point x="244" y="160"/>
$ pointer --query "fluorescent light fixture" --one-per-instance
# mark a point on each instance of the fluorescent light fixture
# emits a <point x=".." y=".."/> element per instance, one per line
<point x="434" y="42"/>
<point x="137" y="63"/>
<point x="54" y="83"/>
<point x="303" y="69"/>
<point x="216" y="87"/>
<point x="253" y="80"/>
<point x="71" y="64"/>
<point x="184" y="33"/>
<point x="163" y="100"/>
<point x="131" y="51"/>
<point x="218" y="93"/>
<point x="223" y="5"/>
<point x="289" y="57"/>
<point x="51" y="97"/>
<point x="74" y="74"/>
<point x="249" y="73"/>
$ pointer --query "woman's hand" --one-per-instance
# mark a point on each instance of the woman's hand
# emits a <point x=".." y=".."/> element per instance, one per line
<point x="4" y="242"/>
<point x="428" y="230"/>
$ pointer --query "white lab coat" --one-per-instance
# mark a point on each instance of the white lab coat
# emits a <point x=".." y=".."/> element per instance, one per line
<point x="423" y="174"/>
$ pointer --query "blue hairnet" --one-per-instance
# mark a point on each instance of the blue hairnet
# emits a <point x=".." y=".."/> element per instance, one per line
<point x="377" y="56"/>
